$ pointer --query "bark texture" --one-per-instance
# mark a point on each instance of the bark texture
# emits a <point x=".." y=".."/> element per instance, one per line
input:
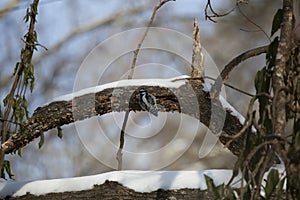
<point x="189" y="99"/>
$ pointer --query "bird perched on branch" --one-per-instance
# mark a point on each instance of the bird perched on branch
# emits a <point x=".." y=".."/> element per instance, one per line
<point x="148" y="102"/>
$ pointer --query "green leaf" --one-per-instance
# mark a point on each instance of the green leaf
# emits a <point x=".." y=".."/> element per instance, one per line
<point x="272" y="181"/>
<point x="6" y="168"/>
<point x="42" y="140"/>
<point x="277" y="21"/>
<point x="279" y="189"/>
<point x="5" y="100"/>
<point x="259" y="79"/>
<point x="297" y="141"/>
<point x="262" y="84"/>
<point x="20" y="152"/>
<point x="31" y="84"/>
<point x="26" y="17"/>
<point x="271" y="52"/>
<point x="16" y="69"/>
<point x="59" y="132"/>
<point x="298" y="88"/>
<point x="25" y="104"/>
<point x="211" y="187"/>
<point x="1" y="114"/>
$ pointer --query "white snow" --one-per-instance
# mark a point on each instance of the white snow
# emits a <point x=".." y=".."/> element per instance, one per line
<point x="234" y="112"/>
<point x="206" y="87"/>
<point x="169" y="83"/>
<point x="225" y="104"/>
<point x="174" y="82"/>
<point x="142" y="181"/>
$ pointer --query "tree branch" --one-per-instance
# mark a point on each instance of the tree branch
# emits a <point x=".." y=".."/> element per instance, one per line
<point x="25" y="62"/>
<point x="125" y="98"/>
<point x="86" y="28"/>
<point x="282" y="56"/>
<point x="8" y="6"/>
<point x="284" y="52"/>
<point x="216" y="88"/>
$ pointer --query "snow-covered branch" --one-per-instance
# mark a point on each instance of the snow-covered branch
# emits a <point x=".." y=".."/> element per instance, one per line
<point x="179" y="94"/>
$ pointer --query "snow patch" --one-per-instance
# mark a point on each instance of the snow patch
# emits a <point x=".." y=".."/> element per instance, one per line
<point x="225" y="104"/>
<point x="141" y="181"/>
<point x="169" y="83"/>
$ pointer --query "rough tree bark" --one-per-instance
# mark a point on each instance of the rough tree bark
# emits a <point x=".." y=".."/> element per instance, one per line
<point x="59" y="113"/>
<point x="113" y="190"/>
<point x="284" y="53"/>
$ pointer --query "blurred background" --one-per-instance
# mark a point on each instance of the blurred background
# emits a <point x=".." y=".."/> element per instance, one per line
<point x="71" y="29"/>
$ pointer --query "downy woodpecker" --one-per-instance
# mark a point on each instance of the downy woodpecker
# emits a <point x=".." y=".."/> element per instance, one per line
<point x="148" y="102"/>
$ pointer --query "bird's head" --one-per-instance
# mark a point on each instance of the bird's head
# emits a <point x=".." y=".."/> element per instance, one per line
<point x="142" y="91"/>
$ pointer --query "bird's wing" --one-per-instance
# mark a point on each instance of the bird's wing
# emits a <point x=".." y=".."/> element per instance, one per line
<point x="143" y="103"/>
<point x="153" y="101"/>
<point x="146" y="101"/>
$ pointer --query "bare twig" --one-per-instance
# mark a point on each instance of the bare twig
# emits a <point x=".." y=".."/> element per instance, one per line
<point x="211" y="78"/>
<point x="34" y="44"/>
<point x="248" y="120"/>
<point x="231" y="86"/>
<point x="86" y="28"/>
<point x="252" y="22"/>
<point x="10" y="121"/>
<point x="136" y="52"/>
<point x="130" y="75"/>
<point x="214" y="13"/>
<point x="9" y="6"/>
<point x="215" y="91"/>
<point x="26" y="57"/>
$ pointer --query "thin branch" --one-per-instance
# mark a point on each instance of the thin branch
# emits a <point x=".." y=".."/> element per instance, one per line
<point x="214" y="13"/>
<point x="86" y="28"/>
<point x="122" y="141"/>
<point x="10" y="121"/>
<point x="8" y="7"/>
<point x="34" y="44"/>
<point x="26" y="57"/>
<point x="252" y="22"/>
<point x="248" y="120"/>
<point x="130" y="76"/>
<point x="251" y="31"/>
<point x="216" y="88"/>
<point x="211" y="78"/>
<point x="136" y="52"/>
<point x="232" y="87"/>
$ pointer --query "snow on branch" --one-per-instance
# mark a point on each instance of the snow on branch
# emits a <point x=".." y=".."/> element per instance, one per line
<point x="179" y="94"/>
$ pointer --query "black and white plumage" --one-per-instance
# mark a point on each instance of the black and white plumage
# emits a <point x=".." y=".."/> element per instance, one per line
<point x="148" y="102"/>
